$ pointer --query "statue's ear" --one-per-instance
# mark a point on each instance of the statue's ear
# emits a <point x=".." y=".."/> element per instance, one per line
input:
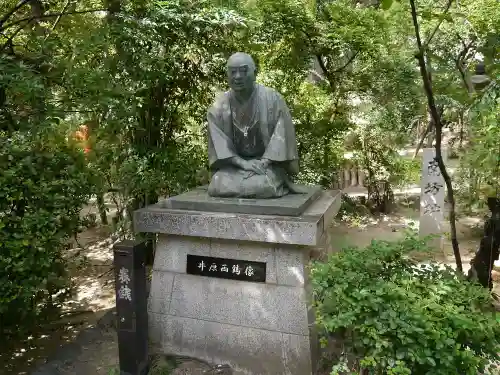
<point x="257" y="65"/>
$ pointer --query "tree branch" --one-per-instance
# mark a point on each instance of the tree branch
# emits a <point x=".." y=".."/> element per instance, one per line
<point x="11" y="38"/>
<point x="421" y="140"/>
<point x="423" y="67"/>
<point x="347" y="63"/>
<point x="323" y="67"/>
<point x="328" y="74"/>
<point x="439" y="133"/>
<point x="459" y="62"/>
<point x="317" y="75"/>
<point x="37" y="10"/>
<point x="12" y="11"/>
<point x="51" y="15"/>
<point x="68" y="3"/>
<point x="446" y="9"/>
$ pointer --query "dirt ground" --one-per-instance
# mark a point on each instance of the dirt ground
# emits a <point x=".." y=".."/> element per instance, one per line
<point x="94" y="295"/>
<point x="361" y="230"/>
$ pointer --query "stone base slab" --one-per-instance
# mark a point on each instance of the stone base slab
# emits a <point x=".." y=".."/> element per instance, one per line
<point x="277" y="308"/>
<point x="288" y="205"/>
<point x="246" y="350"/>
<point x="306" y="229"/>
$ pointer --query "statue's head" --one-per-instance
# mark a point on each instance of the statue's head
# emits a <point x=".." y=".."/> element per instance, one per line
<point x="241" y="71"/>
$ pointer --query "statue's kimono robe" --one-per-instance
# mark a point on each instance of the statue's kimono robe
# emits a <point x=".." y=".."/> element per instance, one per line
<point x="261" y="128"/>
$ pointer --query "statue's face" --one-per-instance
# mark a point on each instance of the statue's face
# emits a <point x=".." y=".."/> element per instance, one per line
<point x="240" y="73"/>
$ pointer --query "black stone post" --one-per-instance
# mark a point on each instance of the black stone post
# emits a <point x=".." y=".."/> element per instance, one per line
<point x="131" y="306"/>
<point x="482" y="263"/>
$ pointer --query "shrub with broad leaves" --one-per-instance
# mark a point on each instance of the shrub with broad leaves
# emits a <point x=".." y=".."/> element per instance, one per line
<point x="43" y="185"/>
<point x="393" y="315"/>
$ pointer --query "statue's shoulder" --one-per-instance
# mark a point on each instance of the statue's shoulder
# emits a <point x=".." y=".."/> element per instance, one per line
<point x="222" y="96"/>
<point x="265" y="90"/>
<point x="272" y="95"/>
<point x="221" y="101"/>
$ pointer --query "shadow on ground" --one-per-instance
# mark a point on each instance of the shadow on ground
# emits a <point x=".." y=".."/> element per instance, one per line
<point x="90" y="267"/>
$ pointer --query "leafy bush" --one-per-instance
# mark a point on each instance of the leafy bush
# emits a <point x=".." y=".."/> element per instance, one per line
<point x="43" y="185"/>
<point x="395" y="316"/>
<point x="405" y="172"/>
<point x="478" y="175"/>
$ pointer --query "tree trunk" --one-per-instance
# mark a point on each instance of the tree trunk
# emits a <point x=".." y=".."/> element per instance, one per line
<point x="326" y="176"/>
<point x="482" y="263"/>
<point x="436" y="117"/>
<point x="102" y="209"/>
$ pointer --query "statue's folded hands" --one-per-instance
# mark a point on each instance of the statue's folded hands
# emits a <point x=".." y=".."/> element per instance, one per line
<point x="257" y="166"/>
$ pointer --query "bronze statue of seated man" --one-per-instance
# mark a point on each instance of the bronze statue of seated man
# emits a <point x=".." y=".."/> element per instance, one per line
<point x="252" y="148"/>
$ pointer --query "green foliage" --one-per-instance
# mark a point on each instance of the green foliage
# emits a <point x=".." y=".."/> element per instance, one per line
<point x="479" y="174"/>
<point x="43" y="185"/>
<point x="406" y="171"/>
<point x="395" y="316"/>
<point x="141" y="78"/>
<point x="154" y="92"/>
<point x="386" y="4"/>
<point x="324" y="58"/>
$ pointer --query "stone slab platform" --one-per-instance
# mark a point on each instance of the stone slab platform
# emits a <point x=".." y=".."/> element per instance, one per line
<point x="306" y="229"/>
<point x="288" y="205"/>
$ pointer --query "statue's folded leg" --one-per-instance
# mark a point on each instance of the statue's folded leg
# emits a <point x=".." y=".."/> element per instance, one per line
<point x="243" y="184"/>
<point x="225" y="183"/>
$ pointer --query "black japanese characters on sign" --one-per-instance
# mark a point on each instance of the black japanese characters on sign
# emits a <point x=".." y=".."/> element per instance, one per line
<point x="433" y="188"/>
<point x="431" y="208"/>
<point x="233" y="269"/>
<point x="433" y="168"/>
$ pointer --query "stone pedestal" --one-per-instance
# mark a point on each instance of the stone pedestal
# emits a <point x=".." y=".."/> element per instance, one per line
<point x="259" y="328"/>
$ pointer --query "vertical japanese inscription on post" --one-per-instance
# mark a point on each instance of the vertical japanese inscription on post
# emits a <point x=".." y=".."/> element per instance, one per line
<point x="433" y="168"/>
<point x="131" y="305"/>
<point x="233" y="269"/>
<point x="124" y="287"/>
<point x="124" y="291"/>
<point x="432" y="194"/>
<point x="431" y="189"/>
